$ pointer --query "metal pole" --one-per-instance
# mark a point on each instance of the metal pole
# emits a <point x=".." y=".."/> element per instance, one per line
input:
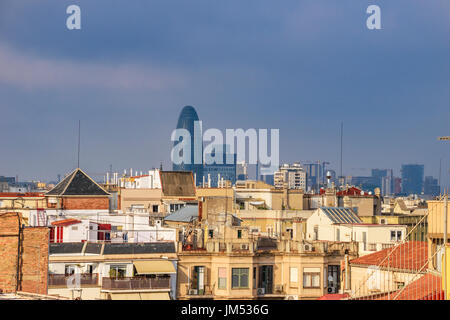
<point x="445" y="244"/>
<point x="79" y="134"/>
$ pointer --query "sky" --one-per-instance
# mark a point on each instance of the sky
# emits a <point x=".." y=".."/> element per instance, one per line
<point x="300" y="66"/>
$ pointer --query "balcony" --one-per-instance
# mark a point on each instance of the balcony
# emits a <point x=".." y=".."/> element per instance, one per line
<point x="205" y="293"/>
<point x="135" y="283"/>
<point x="60" y="280"/>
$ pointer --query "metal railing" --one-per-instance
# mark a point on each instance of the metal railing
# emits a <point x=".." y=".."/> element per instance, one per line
<point x="206" y="291"/>
<point x="61" y="279"/>
<point x="135" y="283"/>
<point x="408" y="270"/>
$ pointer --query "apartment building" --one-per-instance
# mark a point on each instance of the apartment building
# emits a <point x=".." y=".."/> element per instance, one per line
<point x="254" y="195"/>
<point x="113" y="271"/>
<point x="290" y="176"/>
<point x="342" y="224"/>
<point x="361" y="202"/>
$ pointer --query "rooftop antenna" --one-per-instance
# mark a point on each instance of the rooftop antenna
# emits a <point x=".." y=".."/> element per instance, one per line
<point x="342" y="133"/>
<point x="79" y="134"/>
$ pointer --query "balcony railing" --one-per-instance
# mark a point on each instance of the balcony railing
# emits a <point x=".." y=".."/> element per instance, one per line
<point x="206" y="291"/>
<point x="135" y="283"/>
<point x="61" y="279"/>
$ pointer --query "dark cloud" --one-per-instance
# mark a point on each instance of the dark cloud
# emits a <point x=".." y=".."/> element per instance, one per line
<point x="301" y="66"/>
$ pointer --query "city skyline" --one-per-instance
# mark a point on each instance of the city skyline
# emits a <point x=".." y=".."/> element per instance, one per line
<point x="286" y="68"/>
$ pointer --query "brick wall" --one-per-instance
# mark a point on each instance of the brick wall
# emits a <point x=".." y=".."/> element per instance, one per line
<point x="86" y="203"/>
<point x="33" y="256"/>
<point x="9" y="230"/>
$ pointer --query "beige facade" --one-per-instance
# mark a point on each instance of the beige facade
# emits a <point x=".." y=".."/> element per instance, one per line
<point x="25" y="203"/>
<point x="290" y="270"/>
<point x="146" y="199"/>
<point x="254" y="195"/>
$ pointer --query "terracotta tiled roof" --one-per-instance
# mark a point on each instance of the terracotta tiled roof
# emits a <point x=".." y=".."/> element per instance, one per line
<point x="427" y="287"/>
<point x="65" y="222"/>
<point x="411" y="255"/>
<point x="333" y="296"/>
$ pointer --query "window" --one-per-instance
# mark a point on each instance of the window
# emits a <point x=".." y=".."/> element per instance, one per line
<point x="239" y="234"/>
<point x="155" y="208"/>
<point x="211" y="234"/>
<point x="396" y="235"/>
<point x="69" y="270"/>
<point x="333" y="280"/>
<point x="198" y="279"/>
<point x="266" y="278"/>
<point x="311" y="278"/>
<point x="393" y="236"/>
<point x="254" y="278"/>
<point x="117" y="271"/>
<point x="239" y="278"/>
<point x="222" y="283"/>
<point x="294" y="275"/>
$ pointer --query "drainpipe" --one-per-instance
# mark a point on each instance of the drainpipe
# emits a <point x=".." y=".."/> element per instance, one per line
<point x="347" y="280"/>
<point x="18" y="253"/>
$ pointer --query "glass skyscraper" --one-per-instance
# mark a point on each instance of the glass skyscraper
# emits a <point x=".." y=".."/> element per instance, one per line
<point x="412" y="178"/>
<point x="215" y="171"/>
<point x="186" y="120"/>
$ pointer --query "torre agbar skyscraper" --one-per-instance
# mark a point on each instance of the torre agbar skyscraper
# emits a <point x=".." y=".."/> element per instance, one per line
<point x="186" y="121"/>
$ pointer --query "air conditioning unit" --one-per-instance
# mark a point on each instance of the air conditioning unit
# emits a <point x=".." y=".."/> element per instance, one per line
<point x="308" y="247"/>
<point x="261" y="291"/>
<point x="291" y="297"/>
<point x="192" y="292"/>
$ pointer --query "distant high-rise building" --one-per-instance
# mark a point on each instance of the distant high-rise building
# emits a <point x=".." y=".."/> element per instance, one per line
<point x="412" y="178"/>
<point x="384" y="180"/>
<point x="397" y="185"/>
<point x="314" y="175"/>
<point x="366" y="183"/>
<point x="9" y="180"/>
<point x="292" y="176"/>
<point x="431" y="186"/>
<point x="220" y="170"/>
<point x="186" y="120"/>
<point x="241" y="171"/>
<point x="267" y="178"/>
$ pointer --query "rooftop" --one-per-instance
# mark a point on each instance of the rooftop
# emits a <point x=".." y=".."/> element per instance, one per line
<point x="341" y="215"/>
<point x="427" y="287"/>
<point x="187" y="213"/>
<point x="77" y="183"/>
<point x="65" y="222"/>
<point x="112" y="248"/>
<point x="411" y="255"/>
<point x="177" y="183"/>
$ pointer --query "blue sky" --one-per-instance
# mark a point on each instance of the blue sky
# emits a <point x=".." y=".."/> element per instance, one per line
<point x="301" y="66"/>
